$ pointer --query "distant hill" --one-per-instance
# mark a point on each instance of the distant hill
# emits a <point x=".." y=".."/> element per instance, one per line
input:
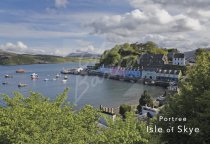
<point x="7" y="58"/>
<point x="190" y="55"/>
<point x="84" y="55"/>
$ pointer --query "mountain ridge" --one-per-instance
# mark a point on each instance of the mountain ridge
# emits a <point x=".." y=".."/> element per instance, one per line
<point x="84" y="55"/>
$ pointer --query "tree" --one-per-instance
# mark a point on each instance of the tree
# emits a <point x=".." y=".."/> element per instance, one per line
<point x="199" y="51"/>
<point x="145" y="99"/>
<point x="110" y="58"/>
<point x="127" y="131"/>
<point x="123" y="109"/>
<point x="139" y="108"/>
<point x="37" y="119"/>
<point x="126" y="54"/>
<point x="193" y="103"/>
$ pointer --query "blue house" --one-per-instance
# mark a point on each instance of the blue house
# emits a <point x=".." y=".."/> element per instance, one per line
<point x="136" y="73"/>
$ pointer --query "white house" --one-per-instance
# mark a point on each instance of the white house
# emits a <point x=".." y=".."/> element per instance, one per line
<point x="168" y="75"/>
<point x="179" y="59"/>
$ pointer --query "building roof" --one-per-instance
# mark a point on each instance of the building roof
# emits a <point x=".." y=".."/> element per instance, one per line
<point x="151" y="56"/>
<point x="168" y="71"/>
<point x="179" y="55"/>
<point x="149" y="69"/>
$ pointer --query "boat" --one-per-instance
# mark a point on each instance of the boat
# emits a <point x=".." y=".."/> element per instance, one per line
<point x="65" y="77"/>
<point x="8" y="76"/>
<point x="149" y="82"/>
<point x="83" y="72"/>
<point x="20" y="71"/>
<point x="34" y="76"/>
<point x="121" y="78"/>
<point x="54" y="79"/>
<point x="5" y="83"/>
<point x="46" y="79"/>
<point x="72" y="71"/>
<point x="67" y="71"/>
<point x="133" y="80"/>
<point x="57" y="76"/>
<point x="64" y="80"/>
<point x="22" y="85"/>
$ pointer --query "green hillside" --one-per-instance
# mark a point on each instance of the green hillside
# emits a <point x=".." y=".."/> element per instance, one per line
<point x="127" y="54"/>
<point x="7" y="58"/>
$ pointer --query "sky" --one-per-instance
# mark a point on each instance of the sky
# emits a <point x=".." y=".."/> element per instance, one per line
<point x="60" y="27"/>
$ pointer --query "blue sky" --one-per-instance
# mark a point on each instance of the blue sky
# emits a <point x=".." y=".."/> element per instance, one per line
<point x="60" y="27"/>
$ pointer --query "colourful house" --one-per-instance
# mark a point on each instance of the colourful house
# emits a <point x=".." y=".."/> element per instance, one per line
<point x="120" y="71"/>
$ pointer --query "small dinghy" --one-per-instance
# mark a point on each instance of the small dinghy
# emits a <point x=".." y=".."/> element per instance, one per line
<point x="46" y="79"/>
<point x="8" y="76"/>
<point x="64" y="80"/>
<point x="5" y="83"/>
<point x="57" y="76"/>
<point x="65" y="77"/>
<point x="20" y="71"/>
<point x="22" y="85"/>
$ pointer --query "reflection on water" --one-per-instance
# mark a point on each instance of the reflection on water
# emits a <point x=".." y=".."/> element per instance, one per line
<point x="83" y="89"/>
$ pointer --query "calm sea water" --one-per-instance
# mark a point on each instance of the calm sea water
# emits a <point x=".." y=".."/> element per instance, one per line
<point x="83" y="89"/>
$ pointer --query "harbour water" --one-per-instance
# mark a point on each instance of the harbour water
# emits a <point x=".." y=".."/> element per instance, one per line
<point x="83" y="89"/>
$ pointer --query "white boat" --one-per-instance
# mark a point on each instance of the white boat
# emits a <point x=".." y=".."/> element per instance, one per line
<point x="22" y="85"/>
<point x="46" y="79"/>
<point x="54" y="79"/>
<point x="8" y="76"/>
<point x="64" y="80"/>
<point x="65" y="77"/>
<point x="57" y="76"/>
<point x="34" y="76"/>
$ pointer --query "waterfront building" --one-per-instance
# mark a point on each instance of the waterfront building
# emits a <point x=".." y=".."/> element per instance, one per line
<point x="120" y="71"/>
<point x="168" y="75"/>
<point x="105" y="70"/>
<point x="179" y="59"/>
<point x="171" y="53"/>
<point x="149" y="73"/>
<point x="137" y="73"/>
<point x="151" y="60"/>
<point x="106" y="114"/>
<point x="127" y="72"/>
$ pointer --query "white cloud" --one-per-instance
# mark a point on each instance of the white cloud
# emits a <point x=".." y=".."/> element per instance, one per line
<point x="18" y="47"/>
<point x="204" y="13"/>
<point x="138" y="22"/>
<point x="170" y="23"/>
<point x="88" y="48"/>
<point x="61" y="3"/>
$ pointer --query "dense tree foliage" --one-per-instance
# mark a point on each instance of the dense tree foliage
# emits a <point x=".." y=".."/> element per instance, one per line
<point x="145" y="99"/>
<point x="38" y="120"/>
<point x="193" y="102"/>
<point x="124" y="109"/>
<point x="126" y="54"/>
